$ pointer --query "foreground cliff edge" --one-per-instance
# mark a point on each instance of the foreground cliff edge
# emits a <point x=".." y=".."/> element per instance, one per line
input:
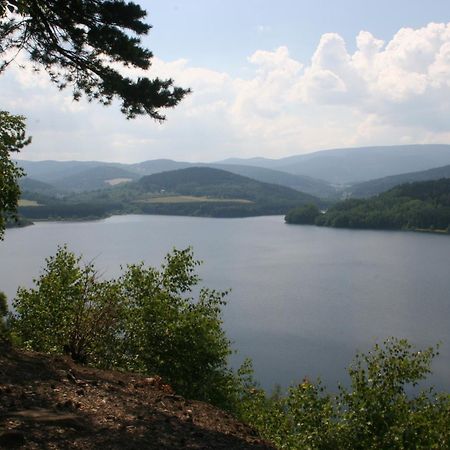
<point x="50" y="402"/>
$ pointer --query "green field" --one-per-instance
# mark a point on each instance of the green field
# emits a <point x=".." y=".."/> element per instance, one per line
<point x="191" y="199"/>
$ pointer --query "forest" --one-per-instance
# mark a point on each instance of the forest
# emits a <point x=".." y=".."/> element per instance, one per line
<point x="412" y="206"/>
<point x="195" y="191"/>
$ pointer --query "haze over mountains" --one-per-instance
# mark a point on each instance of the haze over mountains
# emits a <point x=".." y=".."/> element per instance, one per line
<point x="374" y="187"/>
<point x="326" y="174"/>
<point x="194" y="191"/>
<point x="351" y="165"/>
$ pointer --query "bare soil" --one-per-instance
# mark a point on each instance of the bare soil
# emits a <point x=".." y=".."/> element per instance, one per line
<point x="49" y="402"/>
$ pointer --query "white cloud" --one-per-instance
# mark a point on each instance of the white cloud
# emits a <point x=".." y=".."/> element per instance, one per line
<point x="383" y="93"/>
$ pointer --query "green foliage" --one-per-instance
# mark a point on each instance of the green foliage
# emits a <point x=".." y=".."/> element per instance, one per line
<point x="374" y="187"/>
<point x="380" y="410"/>
<point x="12" y="139"/>
<point x="147" y="320"/>
<point x="80" y="43"/>
<point x="168" y="333"/>
<point x="305" y="215"/>
<point x="422" y="205"/>
<point x="221" y="188"/>
<point x="69" y="311"/>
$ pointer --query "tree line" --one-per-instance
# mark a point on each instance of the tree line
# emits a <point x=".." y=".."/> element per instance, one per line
<point x="412" y="206"/>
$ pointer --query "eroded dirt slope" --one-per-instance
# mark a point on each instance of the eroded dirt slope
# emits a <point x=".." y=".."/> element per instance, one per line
<point x="48" y="402"/>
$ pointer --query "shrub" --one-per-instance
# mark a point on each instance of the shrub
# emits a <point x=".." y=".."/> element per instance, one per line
<point x="147" y="320"/>
<point x="379" y="411"/>
<point x="69" y="311"/>
<point x="167" y="332"/>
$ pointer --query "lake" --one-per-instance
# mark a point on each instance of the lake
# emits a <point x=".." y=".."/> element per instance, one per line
<point x="303" y="298"/>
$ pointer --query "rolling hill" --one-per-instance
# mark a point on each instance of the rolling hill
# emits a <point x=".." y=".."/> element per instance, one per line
<point x="302" y="183"/>
<point x="75" y="176"/>
<point x="217" y="193"/>
<point x="28" y="184"/>
<point x="352" y="165"/>
<point x="325" y="174"/>
<point x="195" y="191"/>
<point x="374" y="187"/>
<point x="423" y="205"/>
<point x="49" y="171"/>
<point x="99" y="177"/>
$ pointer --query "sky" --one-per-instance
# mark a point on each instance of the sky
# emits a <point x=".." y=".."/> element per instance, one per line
<point x="268" y="79"/>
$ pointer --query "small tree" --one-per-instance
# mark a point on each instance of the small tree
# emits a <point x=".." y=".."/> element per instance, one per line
<point x="69" y="311"/>
<point x="379" y="411"/>
<point x="147" y="320"/>
<point x="169" y="333"/>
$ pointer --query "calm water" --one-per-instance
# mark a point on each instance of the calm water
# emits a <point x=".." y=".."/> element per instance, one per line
<point x="303" y="299"/>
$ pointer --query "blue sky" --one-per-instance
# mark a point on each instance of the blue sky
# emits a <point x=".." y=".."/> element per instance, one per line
<point x="220" y="34"/>
<point x="269" y="79"/>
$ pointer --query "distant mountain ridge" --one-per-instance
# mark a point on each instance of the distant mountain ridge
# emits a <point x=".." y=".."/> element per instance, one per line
<point x="71" y="176"/>
<point x="322" y="173"/>
<point x="374" y="187"/>
<point x="352" y="165"/>
<point x="194" y="191"/>
<point x="207" y="181"/>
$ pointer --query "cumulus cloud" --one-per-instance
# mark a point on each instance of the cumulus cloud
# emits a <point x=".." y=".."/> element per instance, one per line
<point x="383" y="93"/>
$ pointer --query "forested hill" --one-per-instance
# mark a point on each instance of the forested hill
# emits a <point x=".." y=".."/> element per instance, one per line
<point x="205" y="181"/>
<point x="373" y="187"/>
<point x="77" y="176"/>
<point x="206" y="191"/>
<point x="196" y="191"/>
<point x="413" y="206"/>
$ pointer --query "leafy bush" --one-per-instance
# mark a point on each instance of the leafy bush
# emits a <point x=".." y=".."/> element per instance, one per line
<point x="69" y="311"/>
<point x="146" y="320"/>
<point x="167" y="332"/>
<point x="375" y="413"/>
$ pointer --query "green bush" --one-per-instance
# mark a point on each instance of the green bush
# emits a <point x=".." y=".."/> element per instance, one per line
<point x="146" y="320"/>
<point x="379" y="411"/>
<point x="167" y="332"/>
<point x="69" y="311"/>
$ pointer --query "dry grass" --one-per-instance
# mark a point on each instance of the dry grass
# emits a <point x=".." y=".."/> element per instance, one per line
<point x="116" y="181"/>
<point x="25" y="202"/>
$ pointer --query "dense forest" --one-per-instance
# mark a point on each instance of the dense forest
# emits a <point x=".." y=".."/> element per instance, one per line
<point x="196" y="191"/>
<point x="374" y="187"/>
<point x="412" y="206"/>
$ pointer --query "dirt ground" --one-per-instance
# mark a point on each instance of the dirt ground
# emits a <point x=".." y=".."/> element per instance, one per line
<point x="48" y="402"/>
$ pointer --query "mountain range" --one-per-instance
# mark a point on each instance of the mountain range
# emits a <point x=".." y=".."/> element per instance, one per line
<point x="194" y="191"/>
<point x="328" y="174"/>
<point x="352" y="165"/>
<point x="374" y="187"/>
